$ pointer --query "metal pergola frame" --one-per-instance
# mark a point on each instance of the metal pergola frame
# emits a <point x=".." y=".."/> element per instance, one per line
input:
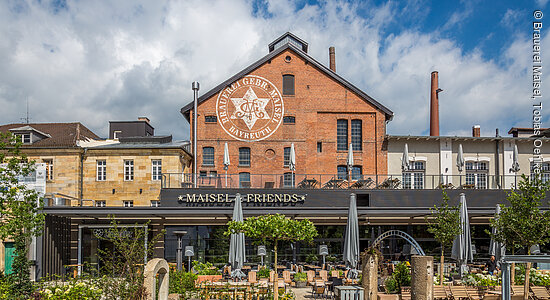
<point x="505" y="265"/>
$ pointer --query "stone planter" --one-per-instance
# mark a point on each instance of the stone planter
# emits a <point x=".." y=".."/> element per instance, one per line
<point x="382" y="296"/>
<point x="300" y="284"/>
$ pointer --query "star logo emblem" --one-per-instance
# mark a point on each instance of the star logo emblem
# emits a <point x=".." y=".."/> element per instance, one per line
<point x="250" y="108"/>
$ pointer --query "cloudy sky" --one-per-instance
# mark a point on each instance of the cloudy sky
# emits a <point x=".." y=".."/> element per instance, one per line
<point x="95" y="61"/>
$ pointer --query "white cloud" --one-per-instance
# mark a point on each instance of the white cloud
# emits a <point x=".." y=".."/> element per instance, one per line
<point x="103" y="60"/>
<point x="541" y="3"/>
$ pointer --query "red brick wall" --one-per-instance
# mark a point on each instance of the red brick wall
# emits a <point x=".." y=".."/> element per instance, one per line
<point x="318" y="102"/>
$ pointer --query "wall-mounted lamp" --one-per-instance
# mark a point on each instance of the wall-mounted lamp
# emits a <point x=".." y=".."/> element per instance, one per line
<point x="113" y="191"/>
<point x="140" y="191"/>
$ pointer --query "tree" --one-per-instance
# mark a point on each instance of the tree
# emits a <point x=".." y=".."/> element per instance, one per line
<point x="523" y="224"/>
<point x="274" y="228"/>
<point x="20" y="210"/>
<point x="445" y="226"/>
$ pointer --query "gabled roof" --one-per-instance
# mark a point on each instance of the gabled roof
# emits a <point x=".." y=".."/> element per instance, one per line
<point x="29" y="128"/>
<point x="186" y="109"/>
<point x="60" y="134"/>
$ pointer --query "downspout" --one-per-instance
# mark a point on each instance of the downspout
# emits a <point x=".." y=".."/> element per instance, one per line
<point x="81" y="179"/>
<point x="497" y="159"/>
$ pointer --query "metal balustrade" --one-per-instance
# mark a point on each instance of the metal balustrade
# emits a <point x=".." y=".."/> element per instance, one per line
<point x="333" y="181"/>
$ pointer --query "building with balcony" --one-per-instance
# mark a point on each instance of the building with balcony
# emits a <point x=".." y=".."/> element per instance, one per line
<point x="285" y="100"/>
<point x="488" y="161"/>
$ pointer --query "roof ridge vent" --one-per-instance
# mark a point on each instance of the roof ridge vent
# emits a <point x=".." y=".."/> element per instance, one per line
<point x="288" y="38"/>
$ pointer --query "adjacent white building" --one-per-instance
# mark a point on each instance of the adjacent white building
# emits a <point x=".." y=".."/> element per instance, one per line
<point x="488" y="161"/>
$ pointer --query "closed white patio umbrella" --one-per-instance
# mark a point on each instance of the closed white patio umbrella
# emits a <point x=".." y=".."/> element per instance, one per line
<point x="462" y="245"/>
<point x="405" y="164"/>
<point x="351" y="241"/>
<point x="349" y="161"/>
<point x="292" y="161"/>
<point x="237" y="242"/>
<point x="226" y="161"/>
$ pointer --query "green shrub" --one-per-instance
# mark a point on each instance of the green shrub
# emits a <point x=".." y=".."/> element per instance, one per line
<point x="300" y="277"/>
<point x="181" y="281"/>
<point x="402" y="275"/>
<point x="205" y="268"/>
<point x="264" y="272"/>
<point x="391" y="285"/>
<point x="72" y="290"/>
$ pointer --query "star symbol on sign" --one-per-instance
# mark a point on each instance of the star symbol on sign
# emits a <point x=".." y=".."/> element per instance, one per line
<point x="250" y="108"/>
<point x="180" y="198"/>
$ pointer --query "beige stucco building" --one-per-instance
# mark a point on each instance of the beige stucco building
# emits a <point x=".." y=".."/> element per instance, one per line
<point x="488" y="161"/>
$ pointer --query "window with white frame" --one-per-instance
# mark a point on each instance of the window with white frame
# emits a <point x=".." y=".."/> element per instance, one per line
<point x="155" y="203"/>
<point x="100" y="203"/>
<point x="24" y="137"/>
<point x="156" y="169"/>
<point x="476" y="174"/>
<point x="414" y="177"/>
<point x="128" y="203"/>
<point x="128" y="170"/>
<point x="49" y="168"/>
<point x="101" y="170"/>
<point x="544" y="171"/>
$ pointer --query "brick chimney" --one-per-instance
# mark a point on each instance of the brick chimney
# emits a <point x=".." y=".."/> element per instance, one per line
<point x="434" y="105"/>
<point x="332" y="59"/>
<point x="144" y="119"/>
<point x="476" y="131"/>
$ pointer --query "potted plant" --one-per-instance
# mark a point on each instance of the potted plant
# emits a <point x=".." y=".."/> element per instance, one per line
<point x="263" y="272"/>
<point x="300" y="278"/>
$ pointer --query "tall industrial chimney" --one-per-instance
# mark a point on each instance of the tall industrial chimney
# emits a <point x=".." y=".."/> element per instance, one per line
<point x="332" y="59"/>
<point x="434" y="105"/>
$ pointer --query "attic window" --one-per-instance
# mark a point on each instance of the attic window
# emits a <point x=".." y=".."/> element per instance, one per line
<point x="25" y="137"/>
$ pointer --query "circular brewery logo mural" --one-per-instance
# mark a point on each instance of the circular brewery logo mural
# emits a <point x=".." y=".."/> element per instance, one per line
<point x="251" y="109"/>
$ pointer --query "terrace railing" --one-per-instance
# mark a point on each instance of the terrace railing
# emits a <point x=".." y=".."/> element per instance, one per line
<point x="334" y="181"/>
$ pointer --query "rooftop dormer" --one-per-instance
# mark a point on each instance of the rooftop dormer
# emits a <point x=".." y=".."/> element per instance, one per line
<point x="29" y="135"/>
<point x="288" y="38"/>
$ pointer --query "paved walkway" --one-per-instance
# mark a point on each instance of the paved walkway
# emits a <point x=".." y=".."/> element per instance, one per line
<point x="304" y="293"/>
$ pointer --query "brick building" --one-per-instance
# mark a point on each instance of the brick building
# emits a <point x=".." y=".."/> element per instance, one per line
<point x="295" y="100"/>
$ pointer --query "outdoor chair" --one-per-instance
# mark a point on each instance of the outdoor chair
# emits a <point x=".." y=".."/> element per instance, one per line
<point x="406" y="293"/>
<point x="252" y="277"/>
<point x="319" y="290"/>
<point x="363" y="183"/>
<point x="474" y="293"/>
<point x="310" y="277"/>
<point x="286" y="278"/>
<point x="272" y="276"/>
<point x="334" y="273"/>
<point x="439" y="292"/>
<point x="459" y="292"/>
<point x="517" y="289"/>
<point x="324" y="275"/>
<point x="540" y="293"/>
